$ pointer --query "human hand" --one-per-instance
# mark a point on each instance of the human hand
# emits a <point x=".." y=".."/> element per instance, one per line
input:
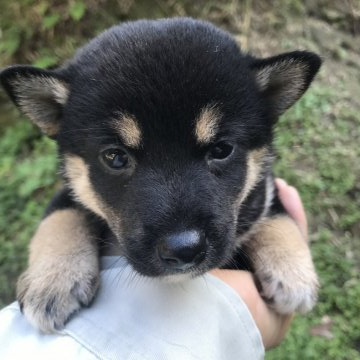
<point x="272" y="326"/>
<point x="290" y="198"/>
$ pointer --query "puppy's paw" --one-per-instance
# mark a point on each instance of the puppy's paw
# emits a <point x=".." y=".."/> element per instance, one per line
<point x="283" y="266"/>
<point x="50" y="292"/>
<point x="289" y="289"/>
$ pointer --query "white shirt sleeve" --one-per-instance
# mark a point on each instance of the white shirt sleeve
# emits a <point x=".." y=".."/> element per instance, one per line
<point x="136" y="318"/>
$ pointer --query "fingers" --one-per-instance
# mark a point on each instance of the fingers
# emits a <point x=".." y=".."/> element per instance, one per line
<point x="291" y="200"/>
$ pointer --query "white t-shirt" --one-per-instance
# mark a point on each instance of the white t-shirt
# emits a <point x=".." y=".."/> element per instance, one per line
<point x="138" y="318"/>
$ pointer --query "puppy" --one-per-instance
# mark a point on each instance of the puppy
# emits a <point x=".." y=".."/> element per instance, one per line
<point x="164" y="130"/>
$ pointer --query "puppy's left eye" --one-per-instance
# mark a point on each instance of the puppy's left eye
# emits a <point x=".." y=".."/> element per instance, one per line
<point x="220" y="151"/>
<point x="115" y="158"/>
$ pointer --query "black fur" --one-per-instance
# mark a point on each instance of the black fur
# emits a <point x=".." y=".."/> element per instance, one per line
<point x="163" y="73"/>
<point x="61" y="200"/>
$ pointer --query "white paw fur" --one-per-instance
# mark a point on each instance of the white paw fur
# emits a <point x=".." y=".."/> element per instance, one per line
<point x="289" y="291"/>
<point x="283" y="266"/>
<point x="49" y="293"/>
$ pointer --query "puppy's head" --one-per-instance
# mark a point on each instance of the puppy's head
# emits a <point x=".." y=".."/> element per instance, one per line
<point x="163" y="128"/>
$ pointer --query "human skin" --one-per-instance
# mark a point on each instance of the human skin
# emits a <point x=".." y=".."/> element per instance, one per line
<point x="272" y="326"/>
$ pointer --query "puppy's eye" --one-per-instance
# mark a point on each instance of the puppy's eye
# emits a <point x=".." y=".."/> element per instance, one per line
<point x="220" y="151"/>
<point x="115" y="158"/>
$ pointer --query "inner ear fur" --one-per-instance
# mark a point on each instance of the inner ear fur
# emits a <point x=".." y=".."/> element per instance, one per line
<point x="39" y="94"/>
<point x="283" y="79"/>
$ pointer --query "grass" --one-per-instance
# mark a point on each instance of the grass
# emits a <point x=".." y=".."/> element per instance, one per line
<point x="27" y="177"/>
<point x="315" y="155"/>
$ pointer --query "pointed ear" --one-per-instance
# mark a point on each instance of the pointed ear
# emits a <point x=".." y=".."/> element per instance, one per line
<point x="40" y="94"/>
<point x="284" y="78"/>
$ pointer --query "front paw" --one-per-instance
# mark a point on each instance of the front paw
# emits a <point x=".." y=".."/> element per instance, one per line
<point x="49" y="292"/>
<point x="289" y="288"/>
<point x="283" y="266"/>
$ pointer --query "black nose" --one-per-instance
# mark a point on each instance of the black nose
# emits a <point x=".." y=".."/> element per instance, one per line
<point x="182" y="250"/>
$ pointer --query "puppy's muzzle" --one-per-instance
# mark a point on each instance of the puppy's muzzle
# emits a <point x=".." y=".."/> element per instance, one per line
<point x="183" y="250"/>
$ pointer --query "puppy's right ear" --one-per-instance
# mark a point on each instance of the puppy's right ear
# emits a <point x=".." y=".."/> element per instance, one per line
<point x="40" y="94"/>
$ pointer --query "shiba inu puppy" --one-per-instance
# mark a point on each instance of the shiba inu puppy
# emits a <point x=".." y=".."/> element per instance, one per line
<point x="164" y="130"/>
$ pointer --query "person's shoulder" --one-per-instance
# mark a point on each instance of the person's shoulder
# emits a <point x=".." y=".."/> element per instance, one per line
<point x="10" y="316"/>
<point x="132" y="319"/>
<point x="19" y="339"/>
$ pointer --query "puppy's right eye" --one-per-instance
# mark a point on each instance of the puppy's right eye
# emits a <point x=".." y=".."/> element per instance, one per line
<point x="115" y="158"/>
<point x="220" y="151"/>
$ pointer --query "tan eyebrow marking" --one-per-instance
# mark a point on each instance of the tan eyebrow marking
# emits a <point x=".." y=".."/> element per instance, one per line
<point x="207" y="124"/>
<point x="128" y="128"/>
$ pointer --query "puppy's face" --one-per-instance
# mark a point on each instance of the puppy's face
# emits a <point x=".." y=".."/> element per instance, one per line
<point x="168" y="175"/>
<point x="169" y="185"/>
<point x="164" y="128"/>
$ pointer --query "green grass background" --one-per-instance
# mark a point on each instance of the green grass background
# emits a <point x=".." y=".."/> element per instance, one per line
<point x="317" y="141"/>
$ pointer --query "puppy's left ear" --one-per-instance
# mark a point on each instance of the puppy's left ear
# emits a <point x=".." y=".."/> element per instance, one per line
<point x="283" y="79"/>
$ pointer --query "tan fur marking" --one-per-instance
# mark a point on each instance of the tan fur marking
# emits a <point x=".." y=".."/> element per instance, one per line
<point x="207" y="124"/>
<point x="255" y="162"/>
<point x="64" y="232"/>
<point x="281" y="235"/>
<point x="78" y="175"/>
<point x="128" y="129"/>
<point x="283" y="264"/>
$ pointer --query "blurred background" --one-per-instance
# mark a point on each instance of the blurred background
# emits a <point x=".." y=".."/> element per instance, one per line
<point x="317" y="140"/>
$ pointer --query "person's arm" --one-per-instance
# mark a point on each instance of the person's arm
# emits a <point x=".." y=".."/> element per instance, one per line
<point x="272" y="326"/>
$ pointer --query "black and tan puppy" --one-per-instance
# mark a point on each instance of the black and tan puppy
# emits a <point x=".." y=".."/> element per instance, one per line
<point x="164" y="130"/>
